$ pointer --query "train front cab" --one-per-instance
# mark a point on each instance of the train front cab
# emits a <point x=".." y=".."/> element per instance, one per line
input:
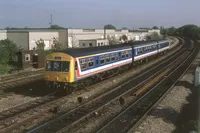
<point x="59" y="69"/>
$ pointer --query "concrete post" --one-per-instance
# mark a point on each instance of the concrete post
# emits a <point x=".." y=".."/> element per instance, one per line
<point x="197" y="77"/>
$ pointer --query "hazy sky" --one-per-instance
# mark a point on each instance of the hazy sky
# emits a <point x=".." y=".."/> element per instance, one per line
<point x="97" y="13"/>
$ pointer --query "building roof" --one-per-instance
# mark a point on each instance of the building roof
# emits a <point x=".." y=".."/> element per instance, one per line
<point x="78" y="52"/>
<point x="93" y="39"/>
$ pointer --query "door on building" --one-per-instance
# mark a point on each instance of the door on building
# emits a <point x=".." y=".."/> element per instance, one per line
<point x="35" y="61"/>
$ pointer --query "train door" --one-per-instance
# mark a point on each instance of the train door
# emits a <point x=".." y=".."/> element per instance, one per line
<point x="133" y="54"/>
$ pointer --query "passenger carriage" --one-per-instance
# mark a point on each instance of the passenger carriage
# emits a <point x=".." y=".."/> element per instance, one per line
<point x="74" y="64"/>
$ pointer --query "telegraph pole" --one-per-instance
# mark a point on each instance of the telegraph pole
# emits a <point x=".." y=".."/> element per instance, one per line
<point x="51" y="20"/>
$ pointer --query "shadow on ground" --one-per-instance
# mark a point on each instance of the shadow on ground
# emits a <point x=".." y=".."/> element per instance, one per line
<point x="167" y="114"/>
<point x="34" y="89"/>
<point x="187" y="120"/>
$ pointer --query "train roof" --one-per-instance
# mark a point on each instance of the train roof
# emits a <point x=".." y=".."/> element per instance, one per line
<point x="78" y="52"/>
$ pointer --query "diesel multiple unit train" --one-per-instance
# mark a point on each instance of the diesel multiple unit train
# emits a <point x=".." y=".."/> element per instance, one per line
<point x="74" y="64"/>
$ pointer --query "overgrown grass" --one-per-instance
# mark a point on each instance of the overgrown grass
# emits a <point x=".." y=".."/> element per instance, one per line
<point x="5" y="69"/>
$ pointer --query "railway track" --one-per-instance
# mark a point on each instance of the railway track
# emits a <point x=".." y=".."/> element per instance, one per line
<point x="13" y="80"/>
<point x="21" y="115"/>
<point x="18" y="116"/>
<point x="134" y="114"/>
<point x="72" y="117"/>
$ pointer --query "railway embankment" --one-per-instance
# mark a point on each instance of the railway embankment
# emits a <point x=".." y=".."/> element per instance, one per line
<point x="178" y="110"/>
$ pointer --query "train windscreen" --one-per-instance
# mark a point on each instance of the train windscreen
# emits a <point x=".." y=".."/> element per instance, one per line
<point x="57" y="66"/>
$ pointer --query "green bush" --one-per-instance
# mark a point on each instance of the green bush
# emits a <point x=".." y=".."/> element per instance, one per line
<point x="5" y="69"/>
<point x="47" y="52"/>
<point x="8" y="50"/>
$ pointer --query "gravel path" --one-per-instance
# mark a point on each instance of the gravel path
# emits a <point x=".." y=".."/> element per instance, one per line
<point x="14" y="100"/>
<point x="173" y="113"/>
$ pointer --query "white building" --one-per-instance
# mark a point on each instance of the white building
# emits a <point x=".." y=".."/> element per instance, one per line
<point x="154" y="30"/>
<point x="74" y="35"/>
<point x="3" y="34"/>
<point x="26" y="38"/>
<point x="93" y="42"/>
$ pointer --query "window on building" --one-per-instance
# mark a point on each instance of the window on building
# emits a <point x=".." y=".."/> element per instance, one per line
<point x="108" y="58"/>
<point x="102" y="60"/>
<point x="90" y="44"/>
<point x="101" y="44"/>
<point x="90" y="62"/>
<point x="83" y="64"/>
<point x="83" y="44"/>
<point x="27" y="57"/>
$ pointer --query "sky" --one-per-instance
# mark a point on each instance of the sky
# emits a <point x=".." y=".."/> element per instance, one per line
<point x="97" y="13"/>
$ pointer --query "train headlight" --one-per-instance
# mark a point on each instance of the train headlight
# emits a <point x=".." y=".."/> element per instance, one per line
<point x="66" y="78"/>
<point x="57" y="78"/>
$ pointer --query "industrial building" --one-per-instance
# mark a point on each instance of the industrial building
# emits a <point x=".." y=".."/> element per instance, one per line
<point x="93" y="42"/>
<point x="26" y="38"/>
<point x="3" y="34"/>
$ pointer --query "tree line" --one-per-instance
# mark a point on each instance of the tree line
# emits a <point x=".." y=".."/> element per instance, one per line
<point x="188" y="31"/>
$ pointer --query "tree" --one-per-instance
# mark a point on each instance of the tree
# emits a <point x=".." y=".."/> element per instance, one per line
<point x="153" y="36"/>
<point x="56" y="27"/>
<point x="112" y="40"/>
<point x="171" y="31"/>
<point x="162" y="30"/>
<point x="124" y="28"/>
<point x="40" y="44"/>
<point x="155" y="27"/>
<point x="57" y="45"/>
<point x="124" y="38"/>
<point x="8" y="50"/>
<point x="109" y="26"/>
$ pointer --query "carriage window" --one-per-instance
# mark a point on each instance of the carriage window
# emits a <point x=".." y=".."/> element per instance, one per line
<point x="83" y="64"/>
<point x="117" y="56"/>
<point x="90" y="62"/>
<point x="112" y="57"/>
<point x="127" y="53"/>
<point x="144" y="49"/>
<point x="108" y="58"/>
<point x="139" y="50"/>
<point x="102" y="60"/>
<point x="123" y="54"/>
